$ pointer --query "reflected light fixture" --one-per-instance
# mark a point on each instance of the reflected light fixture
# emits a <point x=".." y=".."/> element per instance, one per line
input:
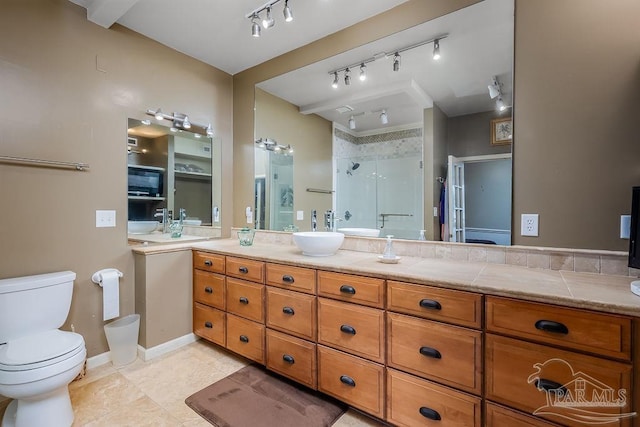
<point x="436" y="49"/>
<point x="255" y="27"/>
<point x="494" y="88"/>
<point x="268" y="21"/>
<point x="384" y="119"/>
<point x="335" y="80"/>
<point x="352" y="123"/>
<point x="146" y="122"/>
<point x="186" y="124"/>
<point x="209" y="130"/>
<point x="500" y="104"/>
<point x="158" y="114"/>
<point x="347" y="77"/>
<point x="396" y="62"/>
<point x="181" y="121"/>
<point x="363" y="72"/>
<point x="288" y="15"/>
<point x="269" y="144"/>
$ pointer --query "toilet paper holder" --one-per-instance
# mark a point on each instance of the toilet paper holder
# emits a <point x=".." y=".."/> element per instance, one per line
<point x="97" y="276"/>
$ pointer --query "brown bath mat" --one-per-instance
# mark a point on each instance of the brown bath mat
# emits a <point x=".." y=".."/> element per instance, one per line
<point x="255" y="397"/>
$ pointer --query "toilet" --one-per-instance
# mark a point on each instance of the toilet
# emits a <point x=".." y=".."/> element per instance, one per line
<point x="37" y="360"/>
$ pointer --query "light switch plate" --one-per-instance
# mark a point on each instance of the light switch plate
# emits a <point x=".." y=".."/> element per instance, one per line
<point x="299" y="215"/>
<point x="529" y="225"/>
<point x="105" y="218"/>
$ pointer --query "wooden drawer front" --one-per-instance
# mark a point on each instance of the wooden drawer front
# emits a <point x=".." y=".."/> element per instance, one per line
<point x="292" y="312"/>
<point x="209" y="323"/>
<point x="604" y="334"/>
<point x="208" y="288"/>
<point x="208" y="262"/>
<point x="352" y="328"/>
<point x="459" y="307"/>
<point x="245" y="337"/>
<point x="448" y="354"/>
<point x="413" y="402"/>
<point x="512" y="368"/>
<point x="245" y="299"/>
<point x="245" y="269"/>
<point x="499" y="416"/>
<point x="347" y="287"/>
<point x="294" y="278"/>
<point x="353" y="380"/>
<point x="292" y="357"/>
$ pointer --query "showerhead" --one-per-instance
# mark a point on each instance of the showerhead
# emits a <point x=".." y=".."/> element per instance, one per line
<point x="354" y="166"/>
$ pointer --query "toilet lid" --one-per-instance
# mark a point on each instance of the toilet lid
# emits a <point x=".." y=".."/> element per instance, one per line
<point x="38" y="350"/>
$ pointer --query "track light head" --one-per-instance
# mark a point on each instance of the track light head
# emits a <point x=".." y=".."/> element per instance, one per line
<point x="347" y="77"/>
<point x="436" y="49"/>
<point x="158" y="114"/>
<point x="494" y="88"/>
<point x="268" y="20"/>
<point x="186" y="124"/>
<point x="363" y="72"/>
<point x="352" y="123"/>
<point x="209" y="130"/>
<point x="396" y="62"/>
<point x="500" y="105"/>
<point x="255" y="27"/>
<point x="288" y="15"/>
<point x="335" y="80"/>
<point x="383" y="117"/>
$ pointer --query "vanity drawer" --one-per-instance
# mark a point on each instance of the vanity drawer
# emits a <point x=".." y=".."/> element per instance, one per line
<point x="603" y="334"/>
<point x="208" y="262"/>
<point x="209" y="323"/>
<point x="245" y="299"/>
<point x="293" y="278"/>
<point x="208" y="288"/>
<point x="292" y="357"/>
<point x="446" y="305"/>
<point x="245" y="338"/>
<point x="292" y="312"/>
<point x="356" y="329"/>
<point x="514" y="367"/>
<point x="348" y="287"/>
<point x="499" y="416"/>
<point x="245" y="269"/>
<point x="448" y="354"/>
<point x="413" y="402"/>
<point x="353" y="380"/>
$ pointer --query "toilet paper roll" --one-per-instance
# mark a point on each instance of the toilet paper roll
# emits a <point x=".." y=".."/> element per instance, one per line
<point x="110" y="282"/>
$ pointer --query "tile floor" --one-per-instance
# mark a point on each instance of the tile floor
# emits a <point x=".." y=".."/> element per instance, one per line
<point x="152" y="393"/>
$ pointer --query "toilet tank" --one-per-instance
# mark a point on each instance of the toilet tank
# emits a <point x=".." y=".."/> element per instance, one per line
<point x="33" y="304"/>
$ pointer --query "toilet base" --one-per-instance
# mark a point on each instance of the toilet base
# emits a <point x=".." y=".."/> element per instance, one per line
<point x="53" y="410"/>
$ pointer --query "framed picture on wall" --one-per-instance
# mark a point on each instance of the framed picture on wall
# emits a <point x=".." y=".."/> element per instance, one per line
<point x="501" y="131"/>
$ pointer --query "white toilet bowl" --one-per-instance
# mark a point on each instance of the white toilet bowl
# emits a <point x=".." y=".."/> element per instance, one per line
<point x="35" y="371"/>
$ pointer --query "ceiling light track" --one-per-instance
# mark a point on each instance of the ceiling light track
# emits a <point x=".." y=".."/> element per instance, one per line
<point x="362" y="65"/>
<point x="181" y="121"/>
<point x="269" y="144"/>
<point x="267" y="21"/>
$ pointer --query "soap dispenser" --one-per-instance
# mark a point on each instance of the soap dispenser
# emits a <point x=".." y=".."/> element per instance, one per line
<point x="388" y="249"/>
<point x="422" y="236"/>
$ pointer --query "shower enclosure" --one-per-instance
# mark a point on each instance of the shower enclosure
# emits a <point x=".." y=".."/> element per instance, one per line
<point x="380" y="185"/>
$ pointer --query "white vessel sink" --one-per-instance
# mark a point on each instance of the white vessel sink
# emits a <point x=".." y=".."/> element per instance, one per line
<point x="142" y="227"/>
<point x="318" y="243"/>
<point x="362" y="232"/>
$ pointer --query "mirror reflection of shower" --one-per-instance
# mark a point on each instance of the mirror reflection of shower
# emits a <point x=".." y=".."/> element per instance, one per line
<point x="353" y="167"/>
<point x="273" y="185"/>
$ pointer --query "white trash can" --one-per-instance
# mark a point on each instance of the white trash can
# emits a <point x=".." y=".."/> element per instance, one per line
<point x="122" y="337"/>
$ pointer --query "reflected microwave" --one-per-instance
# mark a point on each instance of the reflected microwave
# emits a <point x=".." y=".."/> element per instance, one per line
<point x="145" y="181"/>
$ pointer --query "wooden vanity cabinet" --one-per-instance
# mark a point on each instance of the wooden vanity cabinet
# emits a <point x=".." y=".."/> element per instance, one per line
<point x="209" y="319"/>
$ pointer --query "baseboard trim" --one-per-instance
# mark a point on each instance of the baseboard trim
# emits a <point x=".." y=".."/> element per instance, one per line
<point x="157" y="351"/>
<point x="98" y="360"/>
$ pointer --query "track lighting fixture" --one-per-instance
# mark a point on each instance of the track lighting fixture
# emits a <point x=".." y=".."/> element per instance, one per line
<point x="396" y="62"/>
<point x="352" y="123"/>
<point x="494" y="88"/>
<point x="268" y="21"/>
<point x="347" y="77"/>
<point x="363" y="72"/>
<point x="181" y="121"/>
<point x="269" y="144"/>
<point x="335" y="80"/>
<point x="436" y="49"/>
<point x="383" y="117"/>
<point x="500" y="105"/>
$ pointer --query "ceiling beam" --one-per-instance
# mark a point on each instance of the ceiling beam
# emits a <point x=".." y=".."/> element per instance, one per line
<point x="106" y="12"/>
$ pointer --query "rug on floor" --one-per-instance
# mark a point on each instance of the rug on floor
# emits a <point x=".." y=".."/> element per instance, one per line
<point x="255" y="397"/>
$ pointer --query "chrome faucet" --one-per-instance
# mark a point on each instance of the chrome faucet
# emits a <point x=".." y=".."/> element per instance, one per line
<point x="314" y="220"/>
<point x="163" y="213"/>
<point x="331" y="220"/>
<point x="182" y="215"/>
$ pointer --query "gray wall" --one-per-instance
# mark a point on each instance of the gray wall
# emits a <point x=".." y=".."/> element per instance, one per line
<point x="488" y="194"/>
<point x="470" y="135"/>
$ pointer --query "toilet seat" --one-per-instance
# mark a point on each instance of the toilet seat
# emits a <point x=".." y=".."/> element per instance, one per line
<point x="40" y="350"/>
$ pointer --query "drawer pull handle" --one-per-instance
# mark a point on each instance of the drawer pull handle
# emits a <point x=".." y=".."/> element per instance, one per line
<point x="243" y="270"/>
<point x="244" y="338"/>
<point x="430" y="413"/>
<point x="429" y="303"/>
<point x="345" y="379"/>
<point x="430" y="352"/>
<point x="208" y="262"/>
<point x="208" y="325"/>
<point x="289" y="359"/>
<point x="208" y="290"/>
<point x="287" y="279"/>
<point x="348" y="329"/>
<point x="550" y="386"/>
<point x="346" y="289"/>
<point x="288" y="310"/>
<point x="244" y="300"/>
<point x="551" y="326"/>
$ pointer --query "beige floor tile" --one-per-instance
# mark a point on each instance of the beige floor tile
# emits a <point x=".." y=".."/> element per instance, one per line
<point x="353" y="418"/>
<point x="139" y="413"/>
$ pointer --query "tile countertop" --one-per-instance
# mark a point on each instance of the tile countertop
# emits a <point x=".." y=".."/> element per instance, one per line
<point x="600" y="292"/>
<point x="164" y="238"/>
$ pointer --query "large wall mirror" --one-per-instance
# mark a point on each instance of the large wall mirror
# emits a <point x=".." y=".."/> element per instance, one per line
<point x="401" y="145"/>
<point x="173" y="169"/>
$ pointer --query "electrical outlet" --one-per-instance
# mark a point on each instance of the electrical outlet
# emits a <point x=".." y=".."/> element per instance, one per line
<point x="105" y="218"/>
<point x="529" y="225"/>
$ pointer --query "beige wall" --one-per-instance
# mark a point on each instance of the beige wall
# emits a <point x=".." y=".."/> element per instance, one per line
<point x="310" y="137"/>
<point x="67" y="89"/>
